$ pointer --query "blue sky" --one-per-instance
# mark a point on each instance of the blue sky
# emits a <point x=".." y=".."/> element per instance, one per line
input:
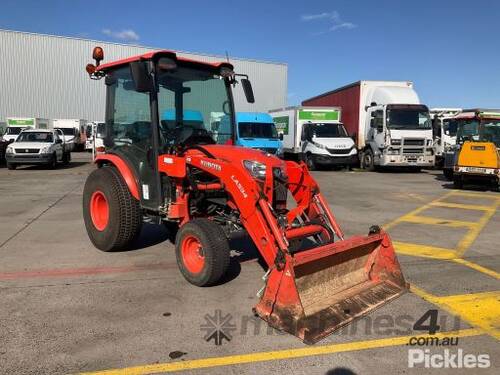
<point x="449" y="49"/>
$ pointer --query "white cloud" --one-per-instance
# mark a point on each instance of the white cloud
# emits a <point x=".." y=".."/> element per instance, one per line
<point x="320" y="16"/>
<point x="332" y="17"/>
<point x="126" y="35"/>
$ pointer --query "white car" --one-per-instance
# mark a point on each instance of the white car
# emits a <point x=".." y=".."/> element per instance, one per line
<point x="37" y="147"/>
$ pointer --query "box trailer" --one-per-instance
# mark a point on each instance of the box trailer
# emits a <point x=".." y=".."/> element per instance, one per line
<point x="315" y="135"/>
<point x="390" y="126"/>
<point x="16" y="124"/>
<point x="74" y="132"/>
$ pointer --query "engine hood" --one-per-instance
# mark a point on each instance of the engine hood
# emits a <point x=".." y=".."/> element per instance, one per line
<point x="237" y="154"/>
<point x="31" y="145"/>
<point x="335" y="143"/>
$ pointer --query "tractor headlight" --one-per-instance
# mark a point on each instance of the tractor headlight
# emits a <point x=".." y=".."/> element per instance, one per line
<point x="256" y="169"/>
<point x="9" y="150"/>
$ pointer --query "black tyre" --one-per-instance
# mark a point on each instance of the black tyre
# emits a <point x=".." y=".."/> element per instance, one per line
<point x="11" y="166"/>
<point x="448" y="173"/>
<point x="66" y="158"/>
<point x="53" y="162"/>
<point x="112" y="216"/>
<point x="368" y="162"/>
<point x="202" y="252"/>
<point x="311" y="165"/>
<point x="458" y="182"/>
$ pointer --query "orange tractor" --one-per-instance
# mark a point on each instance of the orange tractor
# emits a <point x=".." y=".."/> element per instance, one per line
<point x="165" y="164"/>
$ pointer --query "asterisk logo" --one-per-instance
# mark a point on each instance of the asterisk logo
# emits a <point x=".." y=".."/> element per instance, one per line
<point x="218" y="327"/>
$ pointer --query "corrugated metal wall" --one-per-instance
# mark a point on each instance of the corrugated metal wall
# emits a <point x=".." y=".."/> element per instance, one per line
<point x="44" y="76"/>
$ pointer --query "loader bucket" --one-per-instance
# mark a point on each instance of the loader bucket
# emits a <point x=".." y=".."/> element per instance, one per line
<point x="324" y="288"/>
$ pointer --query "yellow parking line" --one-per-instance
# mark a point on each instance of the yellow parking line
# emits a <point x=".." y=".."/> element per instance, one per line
<point x="424" y="251"/>
<point x="477" y="267"/>
<point x="474" y="231"/>
<point x="276" y="355"/>
<point x="462" y="206"/>
<point x="416" y="211"/>
<point x="479" y="309"/>
<point x="437" y="221"/>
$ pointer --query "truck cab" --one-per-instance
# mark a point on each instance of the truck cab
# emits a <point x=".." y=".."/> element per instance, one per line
<point x="254" y="130"/>
<point x="444" y="131"/>
<point x="398" y="135"/>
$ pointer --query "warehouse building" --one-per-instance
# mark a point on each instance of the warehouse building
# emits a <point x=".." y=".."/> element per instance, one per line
<point x="44" y="76"/>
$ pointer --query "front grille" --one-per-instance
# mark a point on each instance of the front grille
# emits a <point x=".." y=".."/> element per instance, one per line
<point x="414" y="142"/>
<point x="413" y="150"/>
<point x="27" y="150"/>
<point x="341" y="151"/>
<point x="269" y="150"/>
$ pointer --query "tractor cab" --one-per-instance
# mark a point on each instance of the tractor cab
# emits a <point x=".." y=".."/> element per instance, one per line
<point x="159" y="103"/>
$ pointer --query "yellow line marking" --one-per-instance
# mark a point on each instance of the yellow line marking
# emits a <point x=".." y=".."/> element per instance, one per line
<point x="474" y="231"/>
<point x="479" y="309"/>
<point x="424" y="251"/>
<point x="477" y="267"/>
<point x="415" y="211"/>
<point x="437" y="221"/>
<point x="276" y="355"/>
<point x="462" y="206"/>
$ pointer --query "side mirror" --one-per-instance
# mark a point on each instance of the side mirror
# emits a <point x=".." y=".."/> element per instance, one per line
<point x="143" y="81"/>
<point x="280" y="136"/>
<point x="10" y="141"/>
<point x="247" y="89"/>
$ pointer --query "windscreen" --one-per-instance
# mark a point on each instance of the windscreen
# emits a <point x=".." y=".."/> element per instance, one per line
<point x="257" y="130"/>
<point x="450" y="126"/>
<point x="408" y="117"/>
<point x="191" y="103"/>
<point x="468" y="130"/>
<point x="67" y="131"/>
<point x="13" y="130"/>
<point x="491" y="131"/>
<point x="325" y="130"/>
<point x="35" y="137"/>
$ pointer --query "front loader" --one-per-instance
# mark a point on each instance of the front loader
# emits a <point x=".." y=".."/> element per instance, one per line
<point x="203" y="188"/>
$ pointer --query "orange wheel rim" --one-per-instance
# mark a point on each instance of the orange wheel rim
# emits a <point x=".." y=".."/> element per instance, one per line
<point x="192" y="254"/>
<point x="99" y="210"/>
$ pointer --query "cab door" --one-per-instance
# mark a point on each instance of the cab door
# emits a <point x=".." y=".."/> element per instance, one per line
<point x="129" y="134"/>
<point x="58" y="146"/>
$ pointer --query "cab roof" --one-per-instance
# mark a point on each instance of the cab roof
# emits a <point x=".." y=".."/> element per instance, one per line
<point x="156" y="54"/>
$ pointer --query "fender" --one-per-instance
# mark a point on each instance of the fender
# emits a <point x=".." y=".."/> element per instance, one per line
<point x="124" y="170"/>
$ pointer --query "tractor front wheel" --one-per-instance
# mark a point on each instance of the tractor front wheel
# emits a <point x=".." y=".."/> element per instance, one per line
<point x="202" y="252"/>
<point x="112" y="215"/>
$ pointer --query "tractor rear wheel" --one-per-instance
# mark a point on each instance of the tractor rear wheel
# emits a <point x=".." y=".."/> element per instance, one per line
<point x="112" y="215"/>
<point x="202" y="252"/>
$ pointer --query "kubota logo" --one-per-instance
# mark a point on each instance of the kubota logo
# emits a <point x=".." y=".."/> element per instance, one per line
<point x="239" y="186"/>
<point x="211" y="165"/>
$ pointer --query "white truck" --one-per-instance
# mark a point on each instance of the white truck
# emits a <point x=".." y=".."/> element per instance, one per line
<point x="444" y="129"/>
<point x="315" y="135"/>
<point x="95" y="133"/>
<point x="391" y="127"/>
<point x="74" y="132"/>
<point x="16" y="124"/>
